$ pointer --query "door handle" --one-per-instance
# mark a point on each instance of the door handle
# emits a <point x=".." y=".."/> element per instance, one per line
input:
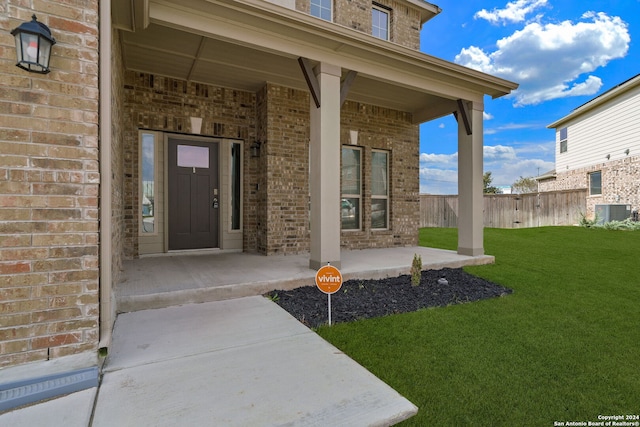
<point x="215" y="203"/>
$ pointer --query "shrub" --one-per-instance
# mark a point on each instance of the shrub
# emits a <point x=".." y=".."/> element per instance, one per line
<point x="416" y="270"/>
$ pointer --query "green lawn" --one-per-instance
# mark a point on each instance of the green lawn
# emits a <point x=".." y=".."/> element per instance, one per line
<point x="565" y="346"/>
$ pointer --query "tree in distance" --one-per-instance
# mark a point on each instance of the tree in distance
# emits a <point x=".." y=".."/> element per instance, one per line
<point x="524" y="185"/>
<point x="486" y="182"/>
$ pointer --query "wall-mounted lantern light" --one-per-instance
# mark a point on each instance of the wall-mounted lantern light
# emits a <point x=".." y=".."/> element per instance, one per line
<point x="626" y="151"/>
<point x="255" y="149"/>
<point x="33" y="46"/>
<point x="608" y="156"/>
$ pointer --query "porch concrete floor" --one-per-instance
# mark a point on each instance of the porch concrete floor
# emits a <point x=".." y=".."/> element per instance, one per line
<point x="195" y="277"/>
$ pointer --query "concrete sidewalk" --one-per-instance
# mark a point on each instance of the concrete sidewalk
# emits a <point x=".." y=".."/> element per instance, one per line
<point x="240" y="362"/>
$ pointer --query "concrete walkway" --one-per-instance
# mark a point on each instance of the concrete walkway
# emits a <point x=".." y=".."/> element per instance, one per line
<point x="240" y="362"/>
<point x="226" y="359"/>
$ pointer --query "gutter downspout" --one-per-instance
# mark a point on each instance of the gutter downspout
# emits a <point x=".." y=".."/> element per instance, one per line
<point x="106" y="311"/>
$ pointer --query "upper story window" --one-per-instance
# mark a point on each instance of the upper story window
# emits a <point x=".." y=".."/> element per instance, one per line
<point x="380" y="22"/>
<point x="322" y="9"/>
<point x="563" y="140"/>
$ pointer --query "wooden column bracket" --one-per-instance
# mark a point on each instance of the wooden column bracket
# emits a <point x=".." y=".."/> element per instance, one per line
<point x="346" y="85"/>
<point x="312" y="80"/>
<point x="465" y="114"/>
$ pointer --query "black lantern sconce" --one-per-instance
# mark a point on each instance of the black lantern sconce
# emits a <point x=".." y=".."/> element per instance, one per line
<point x="33" y="46"/>
<point x="255" y="149"/>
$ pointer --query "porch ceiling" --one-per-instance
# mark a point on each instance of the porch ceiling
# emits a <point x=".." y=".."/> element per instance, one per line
<point x="244" y="44"/>
<point x="188" y="56"/>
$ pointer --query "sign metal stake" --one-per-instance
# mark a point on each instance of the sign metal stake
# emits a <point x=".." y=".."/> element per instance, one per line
<point x="329" y="281"/>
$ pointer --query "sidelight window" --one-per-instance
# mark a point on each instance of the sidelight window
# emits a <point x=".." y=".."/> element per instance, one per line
<point x="148" y="178"/>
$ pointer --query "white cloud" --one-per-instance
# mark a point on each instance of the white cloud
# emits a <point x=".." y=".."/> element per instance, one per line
<point x="441" y="126"/>
<point x="498" y="153"/>
<point x="439" y="159"/>
<point x="515" y="11"/>
<point x="439" y="172"/>
<point x="512" y="126"/>
<point x="547" y="60"/>
<point x="438" y="181"/>
<point x="486" y="116"/>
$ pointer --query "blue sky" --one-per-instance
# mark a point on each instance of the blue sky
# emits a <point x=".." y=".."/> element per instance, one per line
<point x="561" y="52"/>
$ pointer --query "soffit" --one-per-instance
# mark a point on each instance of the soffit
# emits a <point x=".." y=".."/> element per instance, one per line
<point x="243" y="45"/>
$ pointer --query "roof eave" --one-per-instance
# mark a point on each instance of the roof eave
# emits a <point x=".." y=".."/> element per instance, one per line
<point x="287" y="22"/>
<point x="597" y="101"/>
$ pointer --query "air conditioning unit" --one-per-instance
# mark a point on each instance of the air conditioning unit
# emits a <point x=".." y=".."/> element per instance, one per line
<point x="606" y="213"/>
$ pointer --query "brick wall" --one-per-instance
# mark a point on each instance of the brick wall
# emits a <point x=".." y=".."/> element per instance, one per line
<point x="49" y="187"/>
<point x="385" y="129"/>
<point x="276" y="184"/>
<point x="620" y="180"/>
<point x="255" y="207"/>
<point x="286" y="177"/>
<point x="285" y="171"/>
<point x="356" y="14"/>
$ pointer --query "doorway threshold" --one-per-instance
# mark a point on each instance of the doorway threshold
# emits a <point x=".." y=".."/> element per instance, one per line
<point x="192" y="252"/>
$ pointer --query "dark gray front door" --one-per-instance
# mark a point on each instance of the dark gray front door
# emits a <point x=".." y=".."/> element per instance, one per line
<point x="194" y="194"/>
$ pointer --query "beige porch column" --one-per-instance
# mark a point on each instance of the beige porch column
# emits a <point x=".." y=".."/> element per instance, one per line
<point x="325" y="168"/>
<point x="470" y="189"/>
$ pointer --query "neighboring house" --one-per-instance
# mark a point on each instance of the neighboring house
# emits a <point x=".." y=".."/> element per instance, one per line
<point x="597" y="148"/>
<point x="172" y="125"/>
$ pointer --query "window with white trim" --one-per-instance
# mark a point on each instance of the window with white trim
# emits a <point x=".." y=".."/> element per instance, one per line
<point x="563" y="140"/>
<point x="322" y="9"/>
<point x="379" y="189"/>
<point x="351" y="186"/>
<point x="380" y="22"/>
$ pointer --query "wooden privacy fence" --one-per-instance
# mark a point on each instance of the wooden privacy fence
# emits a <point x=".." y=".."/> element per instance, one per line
<point x="509" y="210"/>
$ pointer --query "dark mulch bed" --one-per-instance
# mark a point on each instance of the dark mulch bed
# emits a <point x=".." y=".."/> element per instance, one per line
<point x="362" y="299"/>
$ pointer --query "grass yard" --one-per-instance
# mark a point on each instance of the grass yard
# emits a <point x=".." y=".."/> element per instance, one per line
<point x="564" y="347"/>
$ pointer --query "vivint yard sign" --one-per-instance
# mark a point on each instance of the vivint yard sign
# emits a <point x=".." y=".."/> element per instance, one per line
<point x="329" y="281"/>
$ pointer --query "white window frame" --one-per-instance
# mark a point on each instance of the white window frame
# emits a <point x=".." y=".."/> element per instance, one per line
<point x="374" y="27"/>
<point x="321" y="4"/>
<point x="358" y="196"/>
<point x="379" y="196"/>
<point x="564" y="139"/>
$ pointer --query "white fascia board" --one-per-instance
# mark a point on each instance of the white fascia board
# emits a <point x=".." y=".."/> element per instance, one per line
<point x="427" y="10"/>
